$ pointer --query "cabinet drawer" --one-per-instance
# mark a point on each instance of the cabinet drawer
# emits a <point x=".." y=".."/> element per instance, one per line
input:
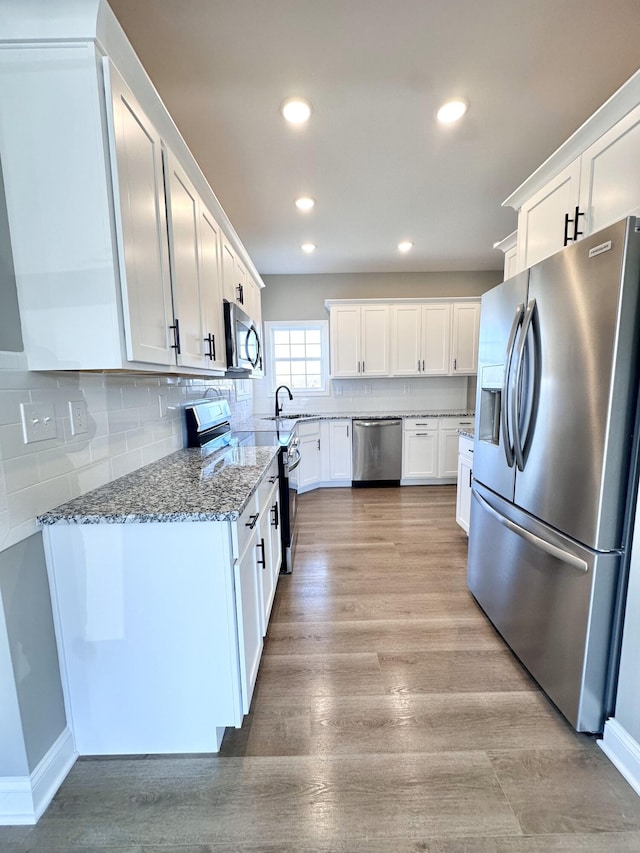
<point x="466" y="424"/>
<point x="242" y="529"/>
<point x="420" y="424"/>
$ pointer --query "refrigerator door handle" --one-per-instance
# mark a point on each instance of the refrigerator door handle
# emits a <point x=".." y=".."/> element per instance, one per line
<point x="515" y="391"/>
<point x="504" y="404"/>
<point x="542" y="544"/>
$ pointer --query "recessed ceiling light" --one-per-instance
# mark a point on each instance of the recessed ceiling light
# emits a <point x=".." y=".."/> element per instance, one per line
<point x="452" y="110"/>
<point x="296" y="110"/>
<point x="405" y="246"/>
<point x="308" y="247"/>
<point x="304" y="203"/>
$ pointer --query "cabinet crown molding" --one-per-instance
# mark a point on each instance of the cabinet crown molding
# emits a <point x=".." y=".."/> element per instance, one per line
<point x="424" y="300"/>
<point x="613" y="110"/>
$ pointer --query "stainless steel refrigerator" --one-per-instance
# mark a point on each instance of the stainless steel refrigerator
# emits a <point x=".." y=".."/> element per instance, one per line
<point x="554" y="456"/>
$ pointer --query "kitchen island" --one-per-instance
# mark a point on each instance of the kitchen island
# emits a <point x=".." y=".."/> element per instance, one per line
<point x="162" y="584"/>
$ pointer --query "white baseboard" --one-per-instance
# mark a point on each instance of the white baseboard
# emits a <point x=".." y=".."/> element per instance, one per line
<point x="623" y="751"/>
<point x="23" y="799"/>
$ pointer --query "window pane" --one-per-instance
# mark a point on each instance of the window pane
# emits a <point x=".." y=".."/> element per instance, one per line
<point x="313" y="351"/>
<point x="298" y="368"/>
<point x="298" y="382"/>
<point x="283" y="374"/>
<point x="313" y="336"/>
<point x="314" y="366"/>
<point x="298" y="351"/>
<point x="313" y="382"/>
<point x="297" y="336"/>
<point x="281" y="336"/>
<point x="281" y="351"/>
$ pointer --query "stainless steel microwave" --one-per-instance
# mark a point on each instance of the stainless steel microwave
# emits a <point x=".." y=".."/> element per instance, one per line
<point x="242" y="340"/>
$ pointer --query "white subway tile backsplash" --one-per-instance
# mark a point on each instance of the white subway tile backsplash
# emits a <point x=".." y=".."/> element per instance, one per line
<point x="125" y="431"/>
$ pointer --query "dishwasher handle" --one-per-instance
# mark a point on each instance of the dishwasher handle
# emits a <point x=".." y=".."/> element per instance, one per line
<point x="376" y="423"/>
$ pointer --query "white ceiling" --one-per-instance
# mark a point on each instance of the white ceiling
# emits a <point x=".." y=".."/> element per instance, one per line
<point x="372" y="156"/>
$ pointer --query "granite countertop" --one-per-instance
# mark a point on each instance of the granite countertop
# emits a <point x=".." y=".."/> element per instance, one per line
<point x="188" y="485"/>
<point x="465" y="433"/>
<point x="265" y="423"/>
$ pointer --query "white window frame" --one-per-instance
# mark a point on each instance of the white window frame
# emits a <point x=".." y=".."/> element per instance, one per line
<point x="323" y="327"/>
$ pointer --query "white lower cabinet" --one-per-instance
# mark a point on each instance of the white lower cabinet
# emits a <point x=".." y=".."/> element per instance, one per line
<point x="160" y="626"/>
<point x="465" y="473"/>
<point x="449" y="433"/>
<point x="309" y="472"/>
<point x="419" y="448"/>
<point x="339" y="451"/>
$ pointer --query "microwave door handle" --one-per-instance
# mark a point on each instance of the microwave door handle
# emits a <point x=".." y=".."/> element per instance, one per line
<point x="252" y="331"/>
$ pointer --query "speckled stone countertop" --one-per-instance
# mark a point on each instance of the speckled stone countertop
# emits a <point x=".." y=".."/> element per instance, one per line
<point x="264" y="423"/>
<point x="465" y="433"/>
<point x="189" y="485"/>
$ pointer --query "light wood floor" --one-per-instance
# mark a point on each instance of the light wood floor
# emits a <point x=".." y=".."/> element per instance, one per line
<point x="388" y="717"/>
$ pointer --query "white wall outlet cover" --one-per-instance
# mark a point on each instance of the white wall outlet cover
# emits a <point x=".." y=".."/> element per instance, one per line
<point x="38" y="421"/>
<point x="78" y="416"/>
<point x="368" y="388"/>
<point x="162" y="405"/>
<point x="337" y="389"/>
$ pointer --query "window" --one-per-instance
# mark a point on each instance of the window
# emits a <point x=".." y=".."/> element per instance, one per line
<point x="298" y="355"/>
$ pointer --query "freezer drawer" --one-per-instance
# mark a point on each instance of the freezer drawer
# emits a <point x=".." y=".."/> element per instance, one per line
<point x="551" y="599"/>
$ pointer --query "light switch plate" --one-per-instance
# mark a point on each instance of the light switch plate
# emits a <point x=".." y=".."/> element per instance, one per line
<point x="38" y="421"/>
<point x="78" y="415"/>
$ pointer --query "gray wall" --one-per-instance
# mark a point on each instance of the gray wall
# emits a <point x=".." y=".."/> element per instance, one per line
<point x="301" y="297"/>
<point x="26" y="604"/>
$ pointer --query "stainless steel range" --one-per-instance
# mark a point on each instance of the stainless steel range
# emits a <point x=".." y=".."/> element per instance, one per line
<point x="208" y="426"/>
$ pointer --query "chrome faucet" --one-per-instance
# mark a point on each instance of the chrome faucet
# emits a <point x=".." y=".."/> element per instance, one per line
<point x="278" y="406"/>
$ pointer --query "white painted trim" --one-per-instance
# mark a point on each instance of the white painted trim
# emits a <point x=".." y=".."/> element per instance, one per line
<point x="23" y="799"/>
<point x="404" y="300"/>
<point x="623" y="751"/>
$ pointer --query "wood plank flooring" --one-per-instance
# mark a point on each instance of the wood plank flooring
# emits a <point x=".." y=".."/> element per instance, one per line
<point x="388" y="717"/>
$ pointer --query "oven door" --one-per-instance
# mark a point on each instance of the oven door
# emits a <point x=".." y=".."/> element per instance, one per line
<point x="289" y="461"/>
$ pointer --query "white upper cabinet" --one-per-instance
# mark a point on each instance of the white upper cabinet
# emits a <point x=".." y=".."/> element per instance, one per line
<point x="420" y="336"/>
<point x="591" y="181"/>
<point x="117" y="259"/>
<point x="464" y="337"/>
<point x="610" y="180"/>
<point x="429" y="337"/>
<point x="359" y="340"/>
<point x="141" y="225"/>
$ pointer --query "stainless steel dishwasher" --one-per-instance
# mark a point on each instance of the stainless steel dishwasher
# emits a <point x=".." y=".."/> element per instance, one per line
<point x="377" y="452"/>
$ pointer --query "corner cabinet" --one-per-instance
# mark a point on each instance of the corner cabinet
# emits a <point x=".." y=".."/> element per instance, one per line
<point x="115" y="234"/>
<point x="403" y="337"/>
<point x="465" y="475"/>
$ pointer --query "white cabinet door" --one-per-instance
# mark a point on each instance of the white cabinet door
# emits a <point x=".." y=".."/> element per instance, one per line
<point x="464" y="338"/>
<point x="406" y="338"/>
<point x="183" y="211"/>
<point x="141" y="226"/>
<point x="448" y="441"/>
<point x="436" y="339"/>
<point x="463" y="494"/>
<point x="420" y="454"/>
<point x="610" y="175"/>
<point x="269" y="552"/>
<point x="234" y="276"/>
<point x="374" y="336"/>
<point x="510" y="262"/>
<point x="340" y="450"/>
<point x="309" y="469"/>
<point x="211" y="291"/>
<point x="541" y="221"/>
<point x="249" y="610"/>
<point x="344" y="323"/>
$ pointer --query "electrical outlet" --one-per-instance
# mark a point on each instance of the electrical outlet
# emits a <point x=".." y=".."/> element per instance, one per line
<point x="368" y="388"/>
<point x="78" y="415"/>
<point x="38" y="421"/>
<point x="162" y="405"/>
<point x="407" y="387"/>
<point x="337" y="389"/>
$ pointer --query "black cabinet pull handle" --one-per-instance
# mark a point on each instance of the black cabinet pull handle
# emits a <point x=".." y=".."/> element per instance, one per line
<point x="567" y="221"/>
<point x="276" y="516"/>
<point x="263" y="561"/>
<point x="253" y="519"/>
<point x="176" y="336"/>
<point x="240" y="290"/>
<point x="576" y="215"/>
<point x="470" y="473"/>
